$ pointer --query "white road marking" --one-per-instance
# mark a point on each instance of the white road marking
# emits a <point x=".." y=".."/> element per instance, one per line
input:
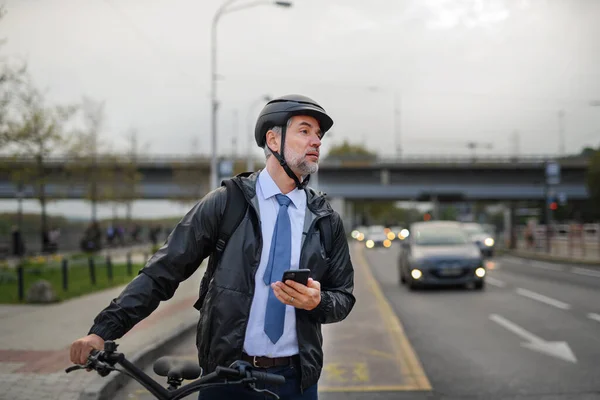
<point x="586" y="272"/>
<point x="495" y="282"/>
<point x="546" y="266"/>
<point x="543" y="299"/>
<point x="594" y="316"/>
<point x="555" y="349"/>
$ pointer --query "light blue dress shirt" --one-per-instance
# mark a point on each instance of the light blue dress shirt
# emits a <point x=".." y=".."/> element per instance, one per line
<point x="256" y="342"/>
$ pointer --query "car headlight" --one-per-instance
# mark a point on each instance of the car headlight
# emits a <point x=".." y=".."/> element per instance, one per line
<point x="416" y="274"/>
<point x="480" y="272"/>
<point x="370" y="244"/>
<point x="391" y="235"/>
<point x="489" y="242"/>
<point x="387" y="243"/>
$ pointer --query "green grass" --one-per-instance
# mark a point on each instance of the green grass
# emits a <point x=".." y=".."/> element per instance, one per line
<point x="79" y="279"/>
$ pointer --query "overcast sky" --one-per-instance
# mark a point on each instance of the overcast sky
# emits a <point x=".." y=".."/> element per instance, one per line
<point x="457" y="70"/>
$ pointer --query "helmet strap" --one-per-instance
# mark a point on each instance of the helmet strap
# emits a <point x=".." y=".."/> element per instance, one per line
<point x="285" y="166"/>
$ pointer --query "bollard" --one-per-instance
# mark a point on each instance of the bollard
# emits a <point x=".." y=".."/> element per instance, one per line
<point x="109" y="269"/>
<point x="21" y="282"/>
<point x="570" y="240"/>
<point x="65" y="274"/>
<point x="129" y="266"/>
<point x="92" y="270"/>
<point x="582" y="237"/>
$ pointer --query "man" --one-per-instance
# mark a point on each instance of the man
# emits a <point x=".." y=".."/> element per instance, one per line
<point x="247" y="312"/>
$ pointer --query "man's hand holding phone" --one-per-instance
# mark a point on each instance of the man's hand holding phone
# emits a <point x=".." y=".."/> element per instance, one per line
<point x="305" y="296"/>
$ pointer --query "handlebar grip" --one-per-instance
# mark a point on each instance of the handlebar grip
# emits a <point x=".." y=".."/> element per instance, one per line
<point x="261" y="376"/>
<point x="268" y="378"/>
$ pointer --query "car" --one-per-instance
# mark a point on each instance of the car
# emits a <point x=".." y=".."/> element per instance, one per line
<point x="480" y="237"/>
<point x="377" y="237"/>
<point x="359" y="233"/>
<point x="440" y="253"/>
<point x="398" y="233"/>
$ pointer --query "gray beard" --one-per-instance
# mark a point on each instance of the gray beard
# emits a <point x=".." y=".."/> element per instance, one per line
<point x="298" y="162"/>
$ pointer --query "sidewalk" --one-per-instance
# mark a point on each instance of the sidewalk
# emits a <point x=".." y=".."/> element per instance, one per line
<point x="561" y="251"/>
<point x="560" y="254"/>
<point x="35" y="340"/>
<point x="369" y="351"/>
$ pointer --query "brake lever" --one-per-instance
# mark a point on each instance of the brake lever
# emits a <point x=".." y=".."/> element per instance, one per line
<point x="74" y="368"/>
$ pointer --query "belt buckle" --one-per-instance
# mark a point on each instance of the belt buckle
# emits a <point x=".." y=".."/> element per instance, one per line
<point x="254" y="362"/>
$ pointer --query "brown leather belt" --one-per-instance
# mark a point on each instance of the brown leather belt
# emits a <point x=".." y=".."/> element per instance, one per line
<point x="266" y="362"/>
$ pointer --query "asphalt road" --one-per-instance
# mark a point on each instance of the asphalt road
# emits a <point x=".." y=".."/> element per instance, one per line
<point x="533" y="333"/>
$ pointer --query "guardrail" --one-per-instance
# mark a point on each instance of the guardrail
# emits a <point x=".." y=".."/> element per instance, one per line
<point x="570" y="240"/>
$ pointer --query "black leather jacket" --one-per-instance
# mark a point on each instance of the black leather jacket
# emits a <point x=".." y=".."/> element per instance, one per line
<point x="231" y="291"/>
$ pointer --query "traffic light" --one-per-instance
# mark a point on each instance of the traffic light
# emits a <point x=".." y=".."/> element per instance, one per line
<point x="553" y="206"/>
<point x="426" y="217"/>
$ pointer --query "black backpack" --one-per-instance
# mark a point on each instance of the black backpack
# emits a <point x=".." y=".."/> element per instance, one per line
<point x="235" y="209"/>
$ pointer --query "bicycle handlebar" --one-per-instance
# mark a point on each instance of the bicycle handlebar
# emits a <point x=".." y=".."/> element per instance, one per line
<point x="104" y="361"/>
<point x="258" y="375"/>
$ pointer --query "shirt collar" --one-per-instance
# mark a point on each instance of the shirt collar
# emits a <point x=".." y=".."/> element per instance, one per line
<point x="269" y="189"/>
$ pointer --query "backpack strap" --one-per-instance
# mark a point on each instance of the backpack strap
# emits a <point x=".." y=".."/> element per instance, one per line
<point x="235" y="209"/>
<point x="325" y="226"/>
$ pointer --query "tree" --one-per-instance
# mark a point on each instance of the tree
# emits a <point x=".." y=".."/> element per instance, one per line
<point x="186" y="177"/>
<point x="350" y="151"/>
<point x="36" y="133"/>
<point x="125" y="176"/>
<point x="92" y="161"/>
<point x="131" y="176"/>
<point x="587" y="152"/>
<point x="11" y="80"/>
<point x="593" y="178"/>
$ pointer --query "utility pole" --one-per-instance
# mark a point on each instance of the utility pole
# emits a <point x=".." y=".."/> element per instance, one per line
<point x="398" y="124"/>
<point x="561" y="132"/>
<point x="516" y="143"/>
<point x="234" y="134"/>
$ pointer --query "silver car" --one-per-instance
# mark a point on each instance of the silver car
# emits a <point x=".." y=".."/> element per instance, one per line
<point x="480" y="237"/>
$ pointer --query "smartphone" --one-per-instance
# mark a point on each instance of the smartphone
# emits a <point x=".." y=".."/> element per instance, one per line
<point x="296" y="275"/>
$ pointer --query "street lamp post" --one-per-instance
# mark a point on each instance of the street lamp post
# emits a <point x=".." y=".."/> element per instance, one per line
<point x="213" y="74"/>
<point x="249" y="160"/>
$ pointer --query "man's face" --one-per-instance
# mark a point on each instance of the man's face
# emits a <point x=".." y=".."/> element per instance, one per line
<point x="302" y="143"/>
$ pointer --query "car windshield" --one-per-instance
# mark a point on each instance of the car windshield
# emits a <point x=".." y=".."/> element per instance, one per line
<point x="473" y="229"/>
<point x="376" y="229"/>
<point x="440" y="236"/>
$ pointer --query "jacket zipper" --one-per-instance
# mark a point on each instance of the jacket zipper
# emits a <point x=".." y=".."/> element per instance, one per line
<point x="253" y="276"/>
<point x="308" y="232"/>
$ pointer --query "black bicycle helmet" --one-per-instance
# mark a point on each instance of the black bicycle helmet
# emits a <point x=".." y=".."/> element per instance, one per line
<point x="277" y="112"/>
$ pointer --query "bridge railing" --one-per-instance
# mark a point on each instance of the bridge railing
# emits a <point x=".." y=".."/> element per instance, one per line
<point x="328" y="160"/>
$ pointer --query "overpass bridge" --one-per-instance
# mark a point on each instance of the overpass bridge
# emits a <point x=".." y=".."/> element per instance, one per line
<point x="500" y="178"/>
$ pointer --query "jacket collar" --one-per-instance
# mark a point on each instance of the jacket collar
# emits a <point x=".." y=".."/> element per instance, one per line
<point x="269" y="189"/>
<point x="315" y="201"/>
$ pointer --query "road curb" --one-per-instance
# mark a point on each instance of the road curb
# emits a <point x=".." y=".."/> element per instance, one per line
<point x="558" y="260"/>
<point x="105" y="388"/>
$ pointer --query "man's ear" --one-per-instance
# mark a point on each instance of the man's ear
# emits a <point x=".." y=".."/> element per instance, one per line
<point x="272" y="140"/>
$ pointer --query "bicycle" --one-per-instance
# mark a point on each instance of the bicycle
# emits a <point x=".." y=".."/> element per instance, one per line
<point x="238" y="373"/>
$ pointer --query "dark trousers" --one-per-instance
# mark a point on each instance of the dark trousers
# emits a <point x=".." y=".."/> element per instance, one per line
<point x="290" y="390"/>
